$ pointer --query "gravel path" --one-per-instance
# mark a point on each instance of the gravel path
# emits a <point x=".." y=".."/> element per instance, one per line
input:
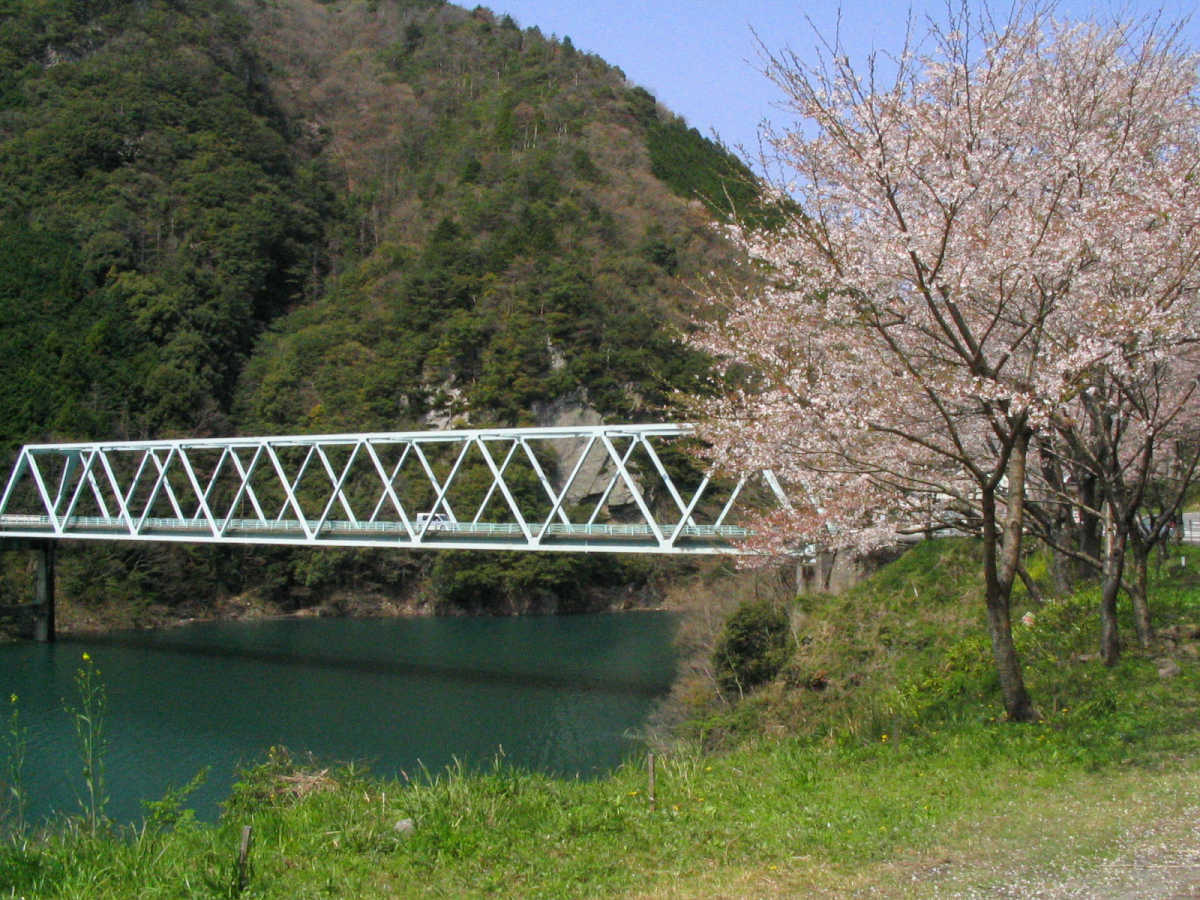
<point x="1156" y="862"/>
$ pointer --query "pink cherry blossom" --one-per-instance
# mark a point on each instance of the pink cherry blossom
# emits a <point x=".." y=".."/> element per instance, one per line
<point x="1010" y="214"/>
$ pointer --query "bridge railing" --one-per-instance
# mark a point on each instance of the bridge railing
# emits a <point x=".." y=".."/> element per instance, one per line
<point x="621" y="488"/>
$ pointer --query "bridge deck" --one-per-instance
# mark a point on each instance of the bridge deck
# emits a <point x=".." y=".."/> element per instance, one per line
<point x="344" y="533"/>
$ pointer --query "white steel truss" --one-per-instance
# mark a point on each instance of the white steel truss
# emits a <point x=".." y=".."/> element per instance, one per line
<point x="608" y="488"/>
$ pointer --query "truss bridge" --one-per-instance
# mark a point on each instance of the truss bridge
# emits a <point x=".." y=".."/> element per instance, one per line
<point x="608" y="488"/>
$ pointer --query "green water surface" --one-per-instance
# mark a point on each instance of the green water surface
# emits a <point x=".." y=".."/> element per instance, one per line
<point x="558" y="694"/>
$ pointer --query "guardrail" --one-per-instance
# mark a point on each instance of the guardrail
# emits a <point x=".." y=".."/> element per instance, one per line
<point x="84" y="525"/>
<point x="1191" y="531"/>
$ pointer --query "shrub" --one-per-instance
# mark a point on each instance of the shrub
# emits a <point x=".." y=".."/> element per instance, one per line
<point x="752" y="646"/>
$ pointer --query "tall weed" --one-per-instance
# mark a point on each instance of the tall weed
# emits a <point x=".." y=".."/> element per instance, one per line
<point x="92" y="740"/>
<point x="16" y="740"/>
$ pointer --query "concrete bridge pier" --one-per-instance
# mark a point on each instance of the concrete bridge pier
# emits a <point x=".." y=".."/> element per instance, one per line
<point x="43" y="589"/>
<point x="35" y="619"/>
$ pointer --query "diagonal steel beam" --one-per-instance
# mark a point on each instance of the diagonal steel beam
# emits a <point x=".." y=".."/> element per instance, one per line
<point x="336" y="481"/>
<point x="686" y="518"/>
<point x="244" y="487"/>
<point x="31" y="462"/>
<point x="544" y="481"/>
<point x="201" y="496"/>
<point x="290" y="485"/>
<point x="632" y="487"/>
<point x="440" y="487"/>
<point x="487" y="498"/>
<point x="289" y="495"/>
<point x="164" y="482"/>
<point x="558" y="501"/>
<point x="667" y="480"/>
<point x="498" y="480"/>
<point x="65" y="479"/>
<point x="89" y="459"/>
<point x="612" y="483"/>
<point x="389" y="487"/>
<point x="337" y="488"/>
<point x="118" y="493"/>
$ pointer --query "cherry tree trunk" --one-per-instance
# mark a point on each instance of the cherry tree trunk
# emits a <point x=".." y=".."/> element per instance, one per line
<point x="1017" y="704"/>
<point x="1090" y="540"/>
<point x="1001" y="558"/>
<point x="1114" y="564"/>
<point x="1141" y="605"/>
<point x="1110" y="637"/>
<point x="1064" y="571"/>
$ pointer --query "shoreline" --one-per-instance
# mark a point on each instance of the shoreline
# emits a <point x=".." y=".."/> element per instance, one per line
<point x="77" y="620"/>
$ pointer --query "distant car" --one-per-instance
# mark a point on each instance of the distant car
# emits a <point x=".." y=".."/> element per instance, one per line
<point x="437" y="521"/>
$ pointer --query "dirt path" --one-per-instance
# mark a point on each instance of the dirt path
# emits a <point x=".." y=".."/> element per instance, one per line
<point x="1158" y="861"/>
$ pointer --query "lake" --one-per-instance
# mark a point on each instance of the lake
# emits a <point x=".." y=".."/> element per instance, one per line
<point x="558" y="694"/>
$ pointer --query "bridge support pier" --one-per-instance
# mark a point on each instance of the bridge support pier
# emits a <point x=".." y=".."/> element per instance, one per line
<point x="34" y="619"/>
<point x="43" y="614"/>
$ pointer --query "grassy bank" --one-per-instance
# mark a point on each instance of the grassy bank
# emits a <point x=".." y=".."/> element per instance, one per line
<point x="874" y="760"/>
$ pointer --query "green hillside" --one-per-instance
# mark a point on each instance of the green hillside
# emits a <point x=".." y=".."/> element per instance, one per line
<point x="221" y="218"/>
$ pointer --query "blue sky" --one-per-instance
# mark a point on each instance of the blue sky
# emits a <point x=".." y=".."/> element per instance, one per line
<point x="701" y="59"/>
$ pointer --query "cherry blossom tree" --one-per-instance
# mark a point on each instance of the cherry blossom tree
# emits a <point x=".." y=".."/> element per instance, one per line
<point x="1012" y="211"/>
<point x="1131" y="447"/>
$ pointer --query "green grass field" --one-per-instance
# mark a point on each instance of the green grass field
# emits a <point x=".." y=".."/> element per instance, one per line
<point x="891" y="773"/>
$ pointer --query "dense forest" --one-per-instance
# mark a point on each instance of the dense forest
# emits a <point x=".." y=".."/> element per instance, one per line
<point x="230" y="217"/>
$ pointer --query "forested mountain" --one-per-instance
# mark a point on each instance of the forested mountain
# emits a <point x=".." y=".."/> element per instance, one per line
<point x="223" y="217"/>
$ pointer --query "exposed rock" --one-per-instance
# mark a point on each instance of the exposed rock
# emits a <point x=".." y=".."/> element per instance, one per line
<point x="837" y="571"/>
<point x="446" y="411"/>
<point x="566" y="412"/>
<point x="598" y="469"/>
<point x="558" y="362"/>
